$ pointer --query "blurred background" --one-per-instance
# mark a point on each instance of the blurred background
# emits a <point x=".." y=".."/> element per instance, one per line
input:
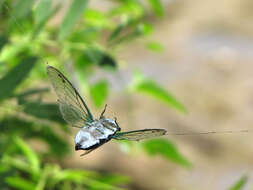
<point x="185" y="66"/>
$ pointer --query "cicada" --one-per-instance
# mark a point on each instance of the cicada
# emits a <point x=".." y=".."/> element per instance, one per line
<point x="93" y="132"/>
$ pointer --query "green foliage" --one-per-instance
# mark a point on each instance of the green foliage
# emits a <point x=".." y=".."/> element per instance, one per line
<point x="43" y="111"/>
<point x="166" y="149"/>
<point x="157" y="7"/>
<point x="14" y="77"/>
<point x="99" y="93"/>
<point x="96" y="57"/>
<point x="31" y="156"/>
<point x="240" y="183"/>
<point x="72" y="16"/>
<point x="50" y="176"/>
<point x="147" y="86"/>
<point x="155" y="46"/>
<point x="21" y="10"/>
<point x="42" y="14"/>
<point x="3" y="41"/>
<point x="87" y="40"/>
<point x="29" y="130"/>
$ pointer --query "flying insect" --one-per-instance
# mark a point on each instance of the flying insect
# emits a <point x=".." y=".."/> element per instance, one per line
<point x="93" y="132"/>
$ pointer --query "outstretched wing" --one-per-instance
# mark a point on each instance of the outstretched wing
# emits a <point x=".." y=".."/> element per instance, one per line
<point x="139" y="134"/>
<point x="72" y="107"/>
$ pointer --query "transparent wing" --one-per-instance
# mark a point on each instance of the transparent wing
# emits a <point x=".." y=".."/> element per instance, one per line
<point x="139" y="134"/>
<point x="72" y="107"/>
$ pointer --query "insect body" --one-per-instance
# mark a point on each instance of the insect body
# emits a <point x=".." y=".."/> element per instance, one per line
<point x="93" y="132"/>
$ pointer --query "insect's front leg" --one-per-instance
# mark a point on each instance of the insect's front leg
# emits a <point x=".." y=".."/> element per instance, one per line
<point x="115" y="120"/>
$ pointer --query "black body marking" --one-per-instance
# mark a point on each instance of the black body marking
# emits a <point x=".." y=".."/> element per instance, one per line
<point x="101" y="142"/>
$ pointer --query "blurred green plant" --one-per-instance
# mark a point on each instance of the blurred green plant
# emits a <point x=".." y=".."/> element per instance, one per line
<point x="147" y="86"/>
<point x="240" y="183"/>
<point x="31" y="174"/>
<point x="85" y="41"/>
<point x="166" y="149"/>
<point x="157" y="147"/>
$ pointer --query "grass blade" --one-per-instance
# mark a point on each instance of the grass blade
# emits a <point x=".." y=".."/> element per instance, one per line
<point x="15" y="76"/>
<point x="74" y="13"/>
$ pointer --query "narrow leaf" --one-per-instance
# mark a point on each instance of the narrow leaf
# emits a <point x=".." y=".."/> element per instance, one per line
<point x="151" y="88"/>
<point x="157" y="7"/>
<point x="42" y="10"/>
<point x="72" y="16"/>
<point x="73" y="175"/>
<point x="43" y="13"/>
<point x="99" y="93"/>
<point x="15" y="76"/>
<point x="115" y="33"/>
<point x="22" y="8"/>
<point x="29" y="153"/>
<point x="239" y="184"/>
<point x="43" y="111"/>
<point x="115" y="179"/>
<point x="155" y="46"/>
<point x="19" y="183"/>
<point x="57" y="144"/>
<point x="96" y="56"/>
<point x="166" y="149"/>
<point x="16" y="163"/>
<point x="32" y="92"/>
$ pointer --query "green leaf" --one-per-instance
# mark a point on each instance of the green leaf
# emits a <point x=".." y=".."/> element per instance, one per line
<point x="129" y="30"/>
<point x="29" y="153"/>
<point x="144" y="29"/>
<point x="42" y="10"/>
<point x="57" y="144"/>
<point x="73" y="175"/>
<point x="20" y="183"/>
<point x="155" y="46"/>
<point x="74" y="13"/>
<point x="97" y="19"/>
<point x="23" y="95"/>
<point x="22" y="9"/>
<point x="166" y="149"/>
<point x="43" y="13"/>
<point x="1" y="3"/>
<point x="31" y="92"/>
<point x="98" y="57"/>
<point x="16" y="163"/>
<point x="116" y="32"/>
<point x="15" y="76"/>
<point x="3" y="41"/>
<point x="157" y="7"/>
<point x="151" y="88"/>
<point x="115" y="179"/>
<point x="43" y="111"/>
<point x="240" y="183"/>
<point x="99" y="93"/>
<point x="107" y="61"/>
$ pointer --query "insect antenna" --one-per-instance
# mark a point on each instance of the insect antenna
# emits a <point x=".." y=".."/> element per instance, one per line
<point x="209" y="132"/>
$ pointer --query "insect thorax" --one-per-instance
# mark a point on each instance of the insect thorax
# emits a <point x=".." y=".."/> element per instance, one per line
<point x="96" y="133"/>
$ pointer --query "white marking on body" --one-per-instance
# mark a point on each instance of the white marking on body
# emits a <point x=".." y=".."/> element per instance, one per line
<point x="90" y="134"/>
